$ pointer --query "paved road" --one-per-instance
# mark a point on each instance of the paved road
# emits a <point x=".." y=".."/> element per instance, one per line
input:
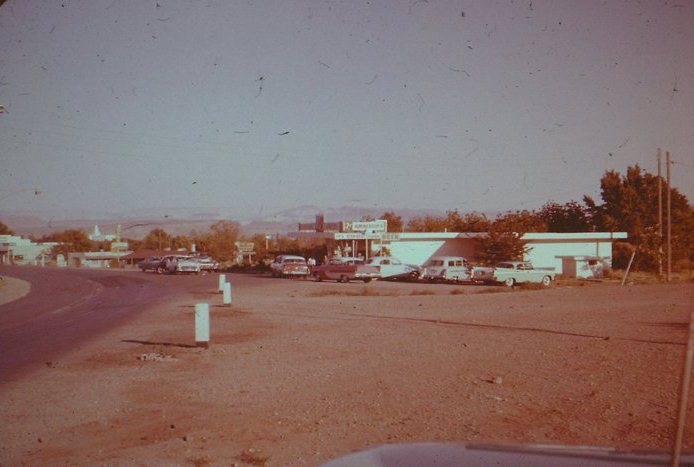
<point x="66" y="307"/>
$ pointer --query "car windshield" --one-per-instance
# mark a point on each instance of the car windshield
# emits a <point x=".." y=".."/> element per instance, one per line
<point x="294" y="260"/>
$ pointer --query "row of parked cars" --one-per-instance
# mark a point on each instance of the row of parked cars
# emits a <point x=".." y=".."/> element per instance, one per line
<point x="436" y="269"/>
<point x="179" y="264"/>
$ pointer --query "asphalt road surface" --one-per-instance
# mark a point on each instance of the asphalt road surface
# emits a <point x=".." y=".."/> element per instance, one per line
<point x="67" y="307"/>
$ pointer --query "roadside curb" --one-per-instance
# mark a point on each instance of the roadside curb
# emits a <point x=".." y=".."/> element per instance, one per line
<point x="12" y="289"/>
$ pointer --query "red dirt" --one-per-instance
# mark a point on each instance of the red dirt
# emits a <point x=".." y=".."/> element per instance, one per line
<point x="296" y="375"/>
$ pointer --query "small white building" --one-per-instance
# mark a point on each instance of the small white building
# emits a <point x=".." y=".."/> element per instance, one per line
<point x="577" y="254"/>
<point x="22" y="251"/>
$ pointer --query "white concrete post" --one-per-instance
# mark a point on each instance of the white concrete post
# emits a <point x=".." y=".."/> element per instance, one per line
<point x="202" y="325"/>
<point x="222" y="280"/>
<point x="227" y="293"/>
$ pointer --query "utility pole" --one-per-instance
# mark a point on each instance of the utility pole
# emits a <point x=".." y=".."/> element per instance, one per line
<point x="669" y="216"/>
<point x="660" y="220"/>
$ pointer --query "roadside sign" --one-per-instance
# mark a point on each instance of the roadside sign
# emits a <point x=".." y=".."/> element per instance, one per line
<point x="245" y="248"/>
<point x="363" y="226"/>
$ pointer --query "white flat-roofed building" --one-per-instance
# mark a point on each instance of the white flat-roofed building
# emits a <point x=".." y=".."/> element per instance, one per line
<point x="583" y="254"/>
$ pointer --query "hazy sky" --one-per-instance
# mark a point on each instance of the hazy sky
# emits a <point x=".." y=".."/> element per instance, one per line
<point x="250" y="107"/>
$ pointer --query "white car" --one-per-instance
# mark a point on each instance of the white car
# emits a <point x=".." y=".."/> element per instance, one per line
<point x="290" y="266"/>
<point x="447" y="268"/>
<point x="391" y="268"/>
<point x="174" y="264"/>
<point x="511" y="273"/>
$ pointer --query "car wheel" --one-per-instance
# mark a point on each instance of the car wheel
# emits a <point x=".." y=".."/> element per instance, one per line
<point x="414" y="275"/>
<point x="367" y="280"/>
<point x="342" y="279"/>
<point x="160" y="269"/>
<point x="318" y="277"/>
<point x="546" y="281"/>
<point x="510" y="282"/>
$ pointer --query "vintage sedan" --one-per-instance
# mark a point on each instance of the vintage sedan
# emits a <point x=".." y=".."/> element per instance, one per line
<point x="290" y="266"/>
<point x="175" y="264"/>
<point x="391" y="268"/>
<point x="207" y="264"/>
<point x="345" y="269"/>
<point x="153" y="263"/>
<point x="511" y="273"/>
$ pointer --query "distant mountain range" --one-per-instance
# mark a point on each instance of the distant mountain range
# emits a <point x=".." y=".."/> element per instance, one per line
<point x="185" y="220"/>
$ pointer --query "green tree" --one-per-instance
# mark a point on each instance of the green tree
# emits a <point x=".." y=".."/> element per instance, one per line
<point x="630" y="204"/>
<point x="180" y="242"/>
<point x="505" y="236"/>
<point x="156" y="239"/>
<point x="470" y="222"/>
<point x="4" y="230"/>
<point x="426" y="224"/>
<point x="568" y="217"/>
<point x="395" y="222"/>
<point x="219" y="241"/>
<point x="70" y="240"/>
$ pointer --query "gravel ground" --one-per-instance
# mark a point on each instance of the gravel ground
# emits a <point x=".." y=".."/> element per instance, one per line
<point x="299" y="373"/>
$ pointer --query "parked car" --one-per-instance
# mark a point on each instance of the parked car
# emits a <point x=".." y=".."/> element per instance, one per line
<point x="482" y="274"/>
<point x="153" y="263"/>
<point x="289" y="266"/>
<point x="391" y="268"/>
<point x="174" y="264"/>
<point x="207" y="263"/>
<point x="345" y="269"/>
<point x="511" y="273"/>
<point x="446" y="269"/>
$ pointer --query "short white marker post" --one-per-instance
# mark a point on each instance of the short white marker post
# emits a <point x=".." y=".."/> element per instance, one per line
<point x="227" y="293"/>
<point x="222" y="280"/>
<point x="202" y="325"/>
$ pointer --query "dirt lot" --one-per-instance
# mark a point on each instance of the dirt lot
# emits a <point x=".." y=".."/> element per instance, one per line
<point x="301" y="372"/>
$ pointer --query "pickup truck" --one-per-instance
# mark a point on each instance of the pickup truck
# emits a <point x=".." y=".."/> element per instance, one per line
<point x="345" y="269"/>
<point x="511" y="273"/>
<point x="391" y="268"/>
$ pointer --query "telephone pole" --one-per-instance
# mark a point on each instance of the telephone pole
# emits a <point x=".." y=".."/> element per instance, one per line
<point x="660" y="220"/>
<point x="669" y="216"/>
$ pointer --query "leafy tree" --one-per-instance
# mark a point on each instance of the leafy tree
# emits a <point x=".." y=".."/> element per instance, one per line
<point x="451" y="222"/>
<point x="180" y="242"/>
<point x="568" y="217"/>
<point x="395" y="222"/>
<point x="70" y="240"/>
<point x="156" y="239"/>
<point x="470" y="222"/>
<point x="505" y="236"/>
<point x="630" y="204"/>
<point x="426" y="224"/>
<point x="4" y="230"/>
<point x="219" y="241"/>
